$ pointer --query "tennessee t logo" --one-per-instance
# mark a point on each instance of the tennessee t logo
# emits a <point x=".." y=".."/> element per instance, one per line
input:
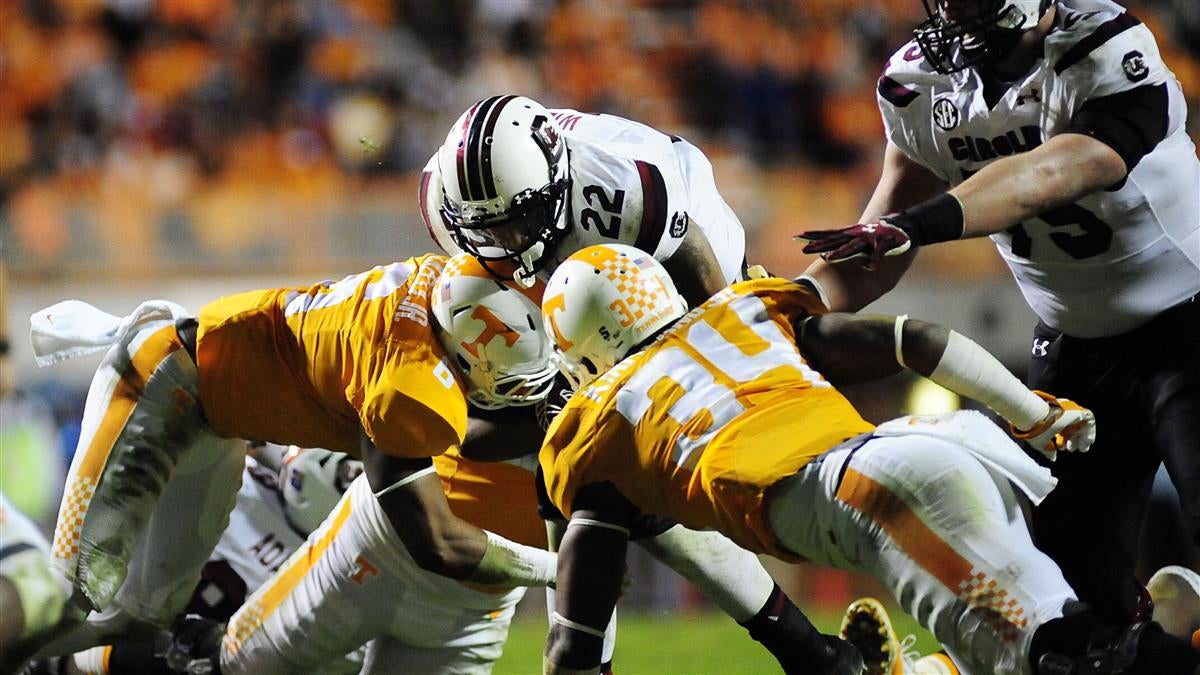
<point x="549" y="307"/>
<point x="365" y="569"/>
<point x="492" y="327"/>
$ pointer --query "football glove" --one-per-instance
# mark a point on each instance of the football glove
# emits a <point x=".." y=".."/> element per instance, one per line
<point x="870" y="240"/>
<point x="1068" y="427"/>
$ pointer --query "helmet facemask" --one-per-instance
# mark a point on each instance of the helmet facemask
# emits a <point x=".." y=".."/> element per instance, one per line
<point x="986" y="35"/>
<point x="525" y="234"/>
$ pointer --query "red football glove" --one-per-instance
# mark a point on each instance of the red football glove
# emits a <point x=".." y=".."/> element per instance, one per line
<point x="870" y="240"/>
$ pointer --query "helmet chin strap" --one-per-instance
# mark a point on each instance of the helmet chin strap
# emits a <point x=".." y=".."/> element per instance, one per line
<point x="526" y="275"/>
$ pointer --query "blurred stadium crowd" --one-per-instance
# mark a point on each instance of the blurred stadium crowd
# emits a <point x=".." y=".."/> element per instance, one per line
<point x="154" y="138"/>
<point x="151" y="136"/>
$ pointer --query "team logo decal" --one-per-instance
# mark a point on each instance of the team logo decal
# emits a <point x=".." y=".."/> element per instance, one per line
<point x="945" y="114"/>
<point x="1134" y="65"/>
<point x="679" y="225"/>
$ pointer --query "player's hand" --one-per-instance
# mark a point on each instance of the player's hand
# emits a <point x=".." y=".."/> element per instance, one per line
<point x="870" y="240"/>
<point x="1068" y="427"/>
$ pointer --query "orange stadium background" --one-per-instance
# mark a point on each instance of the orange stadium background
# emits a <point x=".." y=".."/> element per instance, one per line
<point x="189" y="148"/>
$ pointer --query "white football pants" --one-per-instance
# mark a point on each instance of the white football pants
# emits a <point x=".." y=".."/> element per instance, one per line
<point x="149" y="491"/>
<point x="354" y="582"/>
<point x="944" y="534"/>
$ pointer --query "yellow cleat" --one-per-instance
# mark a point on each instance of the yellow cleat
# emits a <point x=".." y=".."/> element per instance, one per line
<point x="867" y="626"/>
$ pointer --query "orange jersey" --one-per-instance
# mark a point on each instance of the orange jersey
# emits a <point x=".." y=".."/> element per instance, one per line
<point x="496" y="496"/>
<point x="311" y="366"/>
<point x="699" y="425"/>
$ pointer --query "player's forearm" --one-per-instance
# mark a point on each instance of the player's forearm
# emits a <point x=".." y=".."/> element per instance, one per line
<point x="1063" y="170"/>
<point x="962" y="366"/>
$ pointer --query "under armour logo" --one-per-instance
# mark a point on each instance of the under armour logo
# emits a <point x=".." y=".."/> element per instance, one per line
<point x="869" y="228"/>
<point x="1039" y="347"/>
<point x="1032" y="95"/>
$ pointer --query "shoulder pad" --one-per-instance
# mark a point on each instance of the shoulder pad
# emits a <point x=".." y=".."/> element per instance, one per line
<point x="904" y="76"/>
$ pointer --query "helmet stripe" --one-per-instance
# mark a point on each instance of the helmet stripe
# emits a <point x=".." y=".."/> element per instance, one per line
<point x="472" y="146"/>
<point x="460" y="159"/>
<point x="485" y="155"/>
<point x="476" y="147"/>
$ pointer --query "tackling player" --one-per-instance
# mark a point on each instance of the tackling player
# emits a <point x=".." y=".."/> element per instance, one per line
<point x="1062" y="134"/>
<point x="356" y="366"/>
<point x="728" y="418"/>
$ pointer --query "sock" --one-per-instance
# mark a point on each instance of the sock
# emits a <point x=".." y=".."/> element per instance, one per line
<point x="791" y="638"/>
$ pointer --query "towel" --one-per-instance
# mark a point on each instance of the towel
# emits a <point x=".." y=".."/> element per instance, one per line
<point x="72" y="328"/>
<point x="987" y="443"/>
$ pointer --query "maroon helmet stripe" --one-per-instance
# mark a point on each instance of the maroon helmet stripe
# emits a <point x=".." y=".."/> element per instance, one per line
<point x="478" y="153"/>
<point x="485" y="153"/>
<point x="460" y="158"/>
<point x="654" y="206"/>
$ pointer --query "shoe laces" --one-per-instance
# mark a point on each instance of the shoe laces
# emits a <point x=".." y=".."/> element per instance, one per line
<point x="908" y="652"/>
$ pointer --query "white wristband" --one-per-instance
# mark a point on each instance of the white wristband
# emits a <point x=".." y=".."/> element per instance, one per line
<point x="574" y="625"/>
<point x="507" y="563"/>
<point x="968" y="369"/>
<point x="592" y="522"/>
<point x="898" y="332"/>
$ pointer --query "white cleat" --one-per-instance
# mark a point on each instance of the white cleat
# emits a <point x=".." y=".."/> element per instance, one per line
<point x="1176" y="594"/>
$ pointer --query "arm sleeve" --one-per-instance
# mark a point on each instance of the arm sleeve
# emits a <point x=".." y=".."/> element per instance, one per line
<point x="1131" y="122"/>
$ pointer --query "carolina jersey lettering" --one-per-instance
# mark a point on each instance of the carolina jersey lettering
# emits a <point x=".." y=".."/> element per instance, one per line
<point x="715" y="412"/>
<point x="309" y="366"/>
<point x="631" y="184"/>
<point x="1107" y="263"/>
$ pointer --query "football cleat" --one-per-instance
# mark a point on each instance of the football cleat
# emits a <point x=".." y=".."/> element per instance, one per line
<point x="867" y="626"/>
<point x="1176" y="594"/>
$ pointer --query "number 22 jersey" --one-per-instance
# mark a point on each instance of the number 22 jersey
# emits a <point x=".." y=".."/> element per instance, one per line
<point x="1111" y="261"/>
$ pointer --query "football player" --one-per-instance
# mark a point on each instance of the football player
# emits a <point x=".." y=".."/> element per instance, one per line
<point x="1061" y="133"/>
<point x="32" y="598"/>
<point x="357" y="366"/>
<point x="728" y="418"/>
<point x="517" y="182"/>
<point x="276" y="509"/>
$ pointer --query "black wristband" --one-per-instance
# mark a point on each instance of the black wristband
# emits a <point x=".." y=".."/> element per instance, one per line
<point x="931" y="221"/>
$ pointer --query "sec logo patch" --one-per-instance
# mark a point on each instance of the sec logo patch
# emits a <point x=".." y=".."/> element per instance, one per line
<point x="945" y="114"/>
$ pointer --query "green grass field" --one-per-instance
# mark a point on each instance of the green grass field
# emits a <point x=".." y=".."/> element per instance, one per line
<point x="705" y="643"/>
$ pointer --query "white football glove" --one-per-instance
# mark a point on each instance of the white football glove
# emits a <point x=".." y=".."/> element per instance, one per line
<point x="1068" y="427"/>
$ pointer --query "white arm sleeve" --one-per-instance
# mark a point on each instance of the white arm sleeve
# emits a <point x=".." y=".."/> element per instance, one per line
<point x="507" y="563"/>
<point x="968" y="369"/>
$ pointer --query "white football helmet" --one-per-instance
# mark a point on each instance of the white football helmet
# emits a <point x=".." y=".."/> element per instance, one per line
<point x="604" y="301"/>
<point x="492" y="329"/>
<point x="429" y="200"/>
<point x="313" y="480"/>
<point x="505" y="181"/>
<point x="961" y="33"/>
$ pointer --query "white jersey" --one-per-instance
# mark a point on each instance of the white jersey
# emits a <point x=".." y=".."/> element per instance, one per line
<point x="1111" y="261"/>
<point x="631" y="184"/>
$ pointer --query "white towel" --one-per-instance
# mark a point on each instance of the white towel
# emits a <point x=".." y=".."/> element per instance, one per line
<point x="72" y="328"/>
<point x="986" y="441"/>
